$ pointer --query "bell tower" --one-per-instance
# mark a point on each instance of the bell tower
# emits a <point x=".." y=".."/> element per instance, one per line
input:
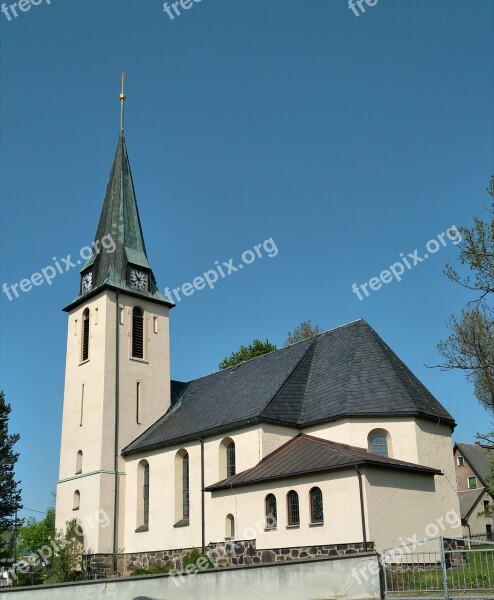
<point x="117" y="375"/>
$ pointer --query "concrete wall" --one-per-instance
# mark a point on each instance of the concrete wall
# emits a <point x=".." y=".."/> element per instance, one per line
<point x="320" y="579"/>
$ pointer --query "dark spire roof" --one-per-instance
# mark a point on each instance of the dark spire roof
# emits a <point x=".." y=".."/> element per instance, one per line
<point x="120" y="219"/>
<point x="345" y="372"/>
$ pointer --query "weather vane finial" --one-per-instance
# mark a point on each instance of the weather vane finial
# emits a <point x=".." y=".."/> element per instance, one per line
<point x="123" y="98"/>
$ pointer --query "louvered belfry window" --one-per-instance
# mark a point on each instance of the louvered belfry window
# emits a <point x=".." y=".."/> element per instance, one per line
<point x="85" y="335"/>
<point x="137" y="333"/>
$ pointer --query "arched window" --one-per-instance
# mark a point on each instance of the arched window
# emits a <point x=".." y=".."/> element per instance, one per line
<point x="293" y="508"/>
<point x="182" y="501"/>
<point x="143" y="496"/>
<point x="230" y="527"/>
<point x="227" y="458"/>
<point x="378" y="442"/>
<point x="85" y="334"/>
<point x="316" y="508"/>
<point x="78" y="466"/>
<point x="271" y="512"/>
<point x="137" y="332"/>
<point x="77" y="500"/>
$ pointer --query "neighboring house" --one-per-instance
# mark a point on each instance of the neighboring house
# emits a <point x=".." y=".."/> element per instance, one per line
<point x="331" y="441"/>
<point x="473" y="466"/>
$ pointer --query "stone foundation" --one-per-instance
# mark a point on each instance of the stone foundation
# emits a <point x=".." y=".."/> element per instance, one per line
<point x="223" y="554"/>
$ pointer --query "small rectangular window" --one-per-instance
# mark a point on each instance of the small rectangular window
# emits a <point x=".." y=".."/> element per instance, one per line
<point x="121" y="315"/>
<point x="486" y="504"/>
<point x="460" y="461"/>
<point x="472" y="483"/>
<point x="155" y="324"/>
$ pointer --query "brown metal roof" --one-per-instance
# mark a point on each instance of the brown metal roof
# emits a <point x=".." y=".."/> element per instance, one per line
<point x="306" y="454"/>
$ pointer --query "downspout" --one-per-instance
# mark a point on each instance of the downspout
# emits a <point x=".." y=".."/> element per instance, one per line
<point x="117" y="415"/>
<point x="362" y="510"/>
<point x="203" y="518"/>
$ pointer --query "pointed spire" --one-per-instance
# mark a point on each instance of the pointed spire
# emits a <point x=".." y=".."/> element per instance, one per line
<point x="122" y="261"/>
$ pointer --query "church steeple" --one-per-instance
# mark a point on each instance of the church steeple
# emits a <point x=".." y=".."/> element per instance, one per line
<point x="122" y="262"/>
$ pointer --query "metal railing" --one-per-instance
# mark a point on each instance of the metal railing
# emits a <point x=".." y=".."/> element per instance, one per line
<point x="445" y="569"/>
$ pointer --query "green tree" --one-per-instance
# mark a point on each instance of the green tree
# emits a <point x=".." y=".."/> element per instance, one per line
<point x="244" y="353"/>
<point x="470" y="345"/>
<point x="302" y="332"/>
<point x="36" y="534"/>
<point x="66" y="563"/>
<point x="10" y="494"/>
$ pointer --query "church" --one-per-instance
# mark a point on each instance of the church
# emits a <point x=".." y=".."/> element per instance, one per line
<point x="328" y="446"/>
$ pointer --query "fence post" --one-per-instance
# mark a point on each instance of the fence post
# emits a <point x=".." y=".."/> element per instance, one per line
<point x="444" y="568"/>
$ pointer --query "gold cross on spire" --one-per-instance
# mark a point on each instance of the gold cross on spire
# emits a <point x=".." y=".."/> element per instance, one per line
<point x="123" y="98"/>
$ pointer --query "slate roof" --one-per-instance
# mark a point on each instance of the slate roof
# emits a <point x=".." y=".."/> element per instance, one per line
<point x="305" y="454"/>
<point x="120" y="219"/>
<point x="479" y="458"/>
<point x="347" y="371"/>
<point x="468" y="501"/>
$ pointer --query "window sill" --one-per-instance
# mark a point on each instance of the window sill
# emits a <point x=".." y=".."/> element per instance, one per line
<point x="229" y="539"/>
<point x="142" y="528"/>
<point x="140" y="360"/>
<point x="293" y="526"/>
<point x="75" y="508"/>
<point x="83" y="362"/>
<point x="318" y="524"/>
<point x="270" y="529"/>
<point x="182" y="523"/>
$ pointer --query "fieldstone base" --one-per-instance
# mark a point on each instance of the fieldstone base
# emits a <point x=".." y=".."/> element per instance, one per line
<point x="222" y="554"/>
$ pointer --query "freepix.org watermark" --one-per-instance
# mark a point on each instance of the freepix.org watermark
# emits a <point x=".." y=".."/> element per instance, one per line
<point x="58" y="267"/>
<point x="16" y="8"/>
<point x="411" y="260"/>
<point x="174" y="9"/>
<point x="221" y="271"/>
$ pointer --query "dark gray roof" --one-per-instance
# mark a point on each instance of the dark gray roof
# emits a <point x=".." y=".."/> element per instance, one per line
<point x="308" y="454"/>
<point x="468" y="501"/>
<point x="348" y="371"/>
<point x="120" y="219"/>
<point x="479" y="458"/>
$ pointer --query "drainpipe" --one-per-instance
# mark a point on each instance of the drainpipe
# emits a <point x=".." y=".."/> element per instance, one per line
<point x="362" y="510"/>
<point x="117" y="415"/>
<point x="203" y="518"/>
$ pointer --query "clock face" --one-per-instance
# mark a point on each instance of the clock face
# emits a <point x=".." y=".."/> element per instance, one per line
<point x="138" y="280"/>
<point x="87" y="282"/>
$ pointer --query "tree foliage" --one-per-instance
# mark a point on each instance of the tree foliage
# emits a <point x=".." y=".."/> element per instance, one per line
<point x="470" y="345"/>
<point x="10" y="494"/>
<point x="36" y="534"/>
<point x="302" y="332"/>
<point x="244" y="353"/>
<point x="65" y="564"/>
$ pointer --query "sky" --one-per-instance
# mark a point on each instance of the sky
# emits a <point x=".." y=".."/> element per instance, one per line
<point x="345" y="140"/>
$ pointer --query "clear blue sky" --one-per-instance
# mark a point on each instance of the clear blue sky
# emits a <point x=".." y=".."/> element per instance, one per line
<point x="347" y="139"/>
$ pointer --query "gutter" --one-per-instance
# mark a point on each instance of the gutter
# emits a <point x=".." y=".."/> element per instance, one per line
<point x="362" y="509"/>
<point x="203" y="515"/>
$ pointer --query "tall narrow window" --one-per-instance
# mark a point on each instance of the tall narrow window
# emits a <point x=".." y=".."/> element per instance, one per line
<point x="145" y="492"/>
<point x="137" y="332"/>
<point x="138" y="402"/>
<point x="293" y="508"/>
<point x="230" y="527"/>
<point x="78" y="466"/>
<point x="316" y="508"/>
<point x="185" y="487"/>
<point x="82" y="406"/>
<point x="230" y="459"/>
<point x="271" y="512"/>
<point x="77" y="500"/>
<point x="378" y="442"/>
<point x="142" y="496"/>
<point x="85" y="335"/>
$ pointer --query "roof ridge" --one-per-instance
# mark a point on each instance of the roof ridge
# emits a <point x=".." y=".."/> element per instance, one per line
<point x="291" y="373"/>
